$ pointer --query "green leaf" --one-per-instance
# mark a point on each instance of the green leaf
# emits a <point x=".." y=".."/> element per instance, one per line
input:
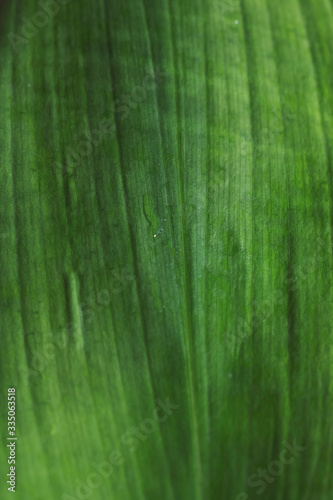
<point x="166" y="248"/>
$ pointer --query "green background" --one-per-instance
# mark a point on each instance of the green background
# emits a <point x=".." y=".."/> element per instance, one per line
<point x="227" y="159"/>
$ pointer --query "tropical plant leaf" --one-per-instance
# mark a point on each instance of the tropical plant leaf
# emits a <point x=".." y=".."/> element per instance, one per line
<point x="166" y="248"/>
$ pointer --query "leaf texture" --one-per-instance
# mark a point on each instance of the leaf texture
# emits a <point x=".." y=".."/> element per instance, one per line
<point x="166" y="232"/>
